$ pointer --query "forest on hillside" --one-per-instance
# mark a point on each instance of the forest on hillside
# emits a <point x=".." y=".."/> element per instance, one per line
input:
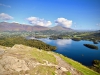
<point x="11" y="41"/>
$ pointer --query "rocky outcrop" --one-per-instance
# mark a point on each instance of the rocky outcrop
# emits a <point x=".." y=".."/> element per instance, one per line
<point x="18" y="60"/>
<point x="12" y="63"/>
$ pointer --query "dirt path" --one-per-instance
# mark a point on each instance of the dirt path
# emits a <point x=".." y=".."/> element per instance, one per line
<point x="65" y="67"/>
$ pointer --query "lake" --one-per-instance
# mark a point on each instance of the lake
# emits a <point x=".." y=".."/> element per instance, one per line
<point x="75" y="50"/>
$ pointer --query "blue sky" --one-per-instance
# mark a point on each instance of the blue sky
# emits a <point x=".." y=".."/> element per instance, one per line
<point x="76" y="14"/>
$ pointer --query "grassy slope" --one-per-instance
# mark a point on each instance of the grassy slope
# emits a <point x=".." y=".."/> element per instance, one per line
<point x="43" y="70"/>
<point x="83" y="69"/>
<point x="78" y="66"/>
<point x="41" y="56"/>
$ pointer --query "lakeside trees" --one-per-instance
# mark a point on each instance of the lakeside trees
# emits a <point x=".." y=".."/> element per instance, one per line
<point x="96" y="66"/>
<point x="11" y="41"/>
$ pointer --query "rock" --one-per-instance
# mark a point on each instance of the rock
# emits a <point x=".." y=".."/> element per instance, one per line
<point x="2" y="52"/>
<point x="1" y="68"/>
<point x="63" y="69"/>
<point x="13" y="64"/>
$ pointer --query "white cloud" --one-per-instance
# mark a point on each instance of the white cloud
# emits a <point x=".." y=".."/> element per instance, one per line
<point x="98" y="24"/>
<point x="24" y="23"/>
<point x="15" y="22"/>
<point x="5" y="5"/>
<point x="64" y="22"/>
<point x="4" y="16"/>
<point x="5" y="21"/>
<point x="38" y="21"/>
<point x="63" y="42"/>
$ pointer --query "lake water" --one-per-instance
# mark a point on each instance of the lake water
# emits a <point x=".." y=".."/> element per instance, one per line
<point x="75" y="50"/>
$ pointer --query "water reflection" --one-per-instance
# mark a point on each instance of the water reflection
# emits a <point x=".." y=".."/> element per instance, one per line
<point x="47" y="40"/>
<point x="30" y="38"/>
<point x="63" y="42"/>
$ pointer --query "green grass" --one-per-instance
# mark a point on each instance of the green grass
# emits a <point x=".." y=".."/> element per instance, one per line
<point x="78" y="66"/>
<point x="3" y="47"/>
<point x="43" y="70"/>
<point x="68" y="73"/>
<point x="40" y="56"/>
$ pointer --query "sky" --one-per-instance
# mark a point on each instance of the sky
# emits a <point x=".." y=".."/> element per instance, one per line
<point x="75" y="14"/>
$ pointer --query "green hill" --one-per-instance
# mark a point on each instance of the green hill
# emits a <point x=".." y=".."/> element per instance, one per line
<point x="25" y="60"/>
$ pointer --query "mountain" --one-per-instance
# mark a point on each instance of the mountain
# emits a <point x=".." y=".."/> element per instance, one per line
<point x="25" y="60"/>
<point x="4" y="26"/>
<point x="60" y="28"/>
<point x="39" y="28"/>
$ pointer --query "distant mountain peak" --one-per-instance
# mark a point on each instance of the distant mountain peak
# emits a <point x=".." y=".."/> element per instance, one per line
<point x="60" y="28"/>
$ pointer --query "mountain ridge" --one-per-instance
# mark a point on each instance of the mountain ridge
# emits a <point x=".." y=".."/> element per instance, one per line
<point x="4" y="26"/>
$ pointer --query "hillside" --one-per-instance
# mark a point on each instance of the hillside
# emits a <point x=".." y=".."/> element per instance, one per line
<point x="11" y="41"/>
<point x="25" y="60"/>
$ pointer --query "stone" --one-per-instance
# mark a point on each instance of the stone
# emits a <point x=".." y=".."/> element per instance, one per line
<point x="12" y="63"/>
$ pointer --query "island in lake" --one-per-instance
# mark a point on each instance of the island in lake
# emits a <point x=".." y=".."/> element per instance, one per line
<point x="91" y="46"/>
